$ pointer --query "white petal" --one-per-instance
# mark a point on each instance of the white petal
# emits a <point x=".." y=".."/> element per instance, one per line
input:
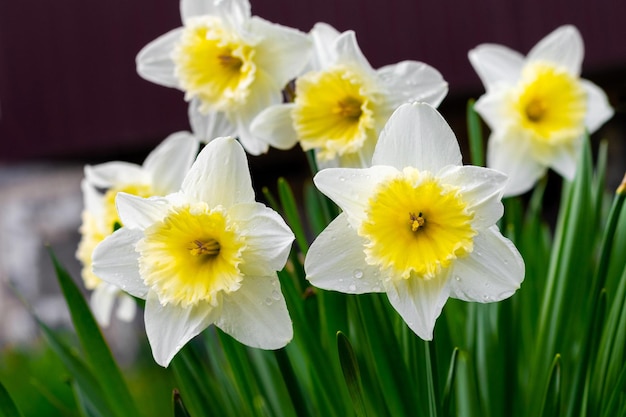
<point x="253" y="144"/>
<point x="193" y="8"/>
<point x="336" y="261"/>
<point x="494" y="107"/>
<point x="220" y="175"/>
<point x="275" y="126"/>
<point x="92" y="199"/>
<point x="154" y="62"/>
<point x="564" y="159"/>
<point x="598" y="108"/>
<point x="492" y="272"/>
<point x="169" y="327"/>
<point x="410" y="81"/>
<point x="115" y="261"/>
<point x="138" y="212"/>
<point x="351" y="188"/>
<point x="323" y="36"/>
<point x="481" y="190"/>
<point x="126" y="307"/>
<point x="169" y="162"/>
<point x="419" y="302"/>
<point x="115" y="173"/>
<point x="101" y="302"/>
<point x="235" y="12"/>
<point x="348" y="52"/>
<point x="256" y="314"/>
<point x="283" y="52"/>
<point x="496" y="64"/>
<point x="268" y="238"/>
<point x="509" y="152"/>
<point x="564" y="47"/>
<point x="264" y="93"/>
<point x="207" y="127"/>
<point x="417" y="136"/>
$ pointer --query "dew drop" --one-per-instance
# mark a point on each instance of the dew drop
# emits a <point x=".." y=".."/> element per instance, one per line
<point x="268" y="301"/>
<point x="275" y="295"/>
<point x="342" y="179"/>
<point x="358" y="273"/>
<point x="352" y="287"/>
<point x="457" y="278"/>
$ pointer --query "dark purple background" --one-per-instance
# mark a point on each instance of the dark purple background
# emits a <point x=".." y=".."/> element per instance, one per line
<point x="68" y="86"/>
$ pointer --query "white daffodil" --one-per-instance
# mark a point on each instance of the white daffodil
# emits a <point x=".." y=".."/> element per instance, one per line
<point x="341" y="106"/>
<point x="416" y="225"/>
<point x="537" y="107"/>
<point x="231" y="65"/>
<point x="205" y="255"/>
<point x="161" y="173"/>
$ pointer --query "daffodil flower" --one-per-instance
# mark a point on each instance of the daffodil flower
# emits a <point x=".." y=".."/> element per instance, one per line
<point x="231" y="65"/>
<point x="342" y="103"/>
<point x="537" y="107"/>
<point x="416" y="225"/>
<point x="161" y="173"/>
<point x="205" y="255"/>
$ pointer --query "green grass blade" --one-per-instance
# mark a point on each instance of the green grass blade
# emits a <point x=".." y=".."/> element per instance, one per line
<point x="85" y="380"/>
<point x="431" y="383"/>
<point x="179" y="406"/>
<point x="7" y="406"/>
<point x="97" y="352"/>
<point x="552" y="396"/>
<point x="475" y="135"/>
<point x="351" y="374"/>
<point x="290" y="209"/>
<point x="446" y="397"/>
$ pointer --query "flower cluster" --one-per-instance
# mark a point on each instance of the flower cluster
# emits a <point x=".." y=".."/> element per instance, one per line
<point x="185" y="233"/>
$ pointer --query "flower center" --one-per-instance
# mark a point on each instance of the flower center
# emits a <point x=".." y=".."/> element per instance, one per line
<point x="210" y="248"/>
<point x="416" y="221"/>
<point x="415" y="225"/>
<point x="535" y="110"/>
<point x="334" y="112"/>
<point x="213" y="64"/>
<point x="551" y="103"/>
<point x="192" y="255"/>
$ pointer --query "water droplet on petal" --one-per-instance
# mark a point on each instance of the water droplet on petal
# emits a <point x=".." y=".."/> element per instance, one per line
<point x="352" y="287"/>
<point x="268" y="301"/>
<point x="342" y="179"/>
<point x="358" y="273"/>
<point x="457" y="278"/>
<point x="275" y="295"/>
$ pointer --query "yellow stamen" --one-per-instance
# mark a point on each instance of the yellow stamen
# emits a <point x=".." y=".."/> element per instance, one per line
<point x="209" y="248"/>
<point x="416" y="221"/>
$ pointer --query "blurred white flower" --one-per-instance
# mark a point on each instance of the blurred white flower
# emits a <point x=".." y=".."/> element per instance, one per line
<point x="416" y="225"/>
<point x="231" y="65"/>
<point x="537" y="107"/>
<point x="161" y="173"/>
<point x="342" y="103"/>
<point x="207" y="254"/>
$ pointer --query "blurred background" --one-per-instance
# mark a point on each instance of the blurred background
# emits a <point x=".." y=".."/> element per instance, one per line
<point x="69" y="95"/>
